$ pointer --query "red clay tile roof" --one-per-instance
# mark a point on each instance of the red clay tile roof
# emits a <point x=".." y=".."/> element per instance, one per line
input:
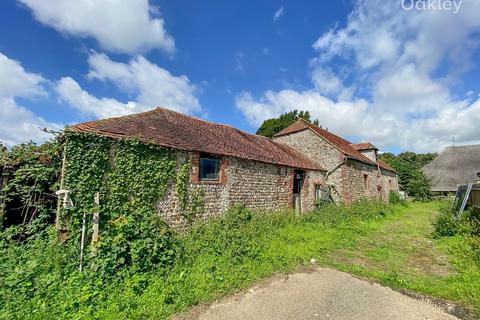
<point x="363" y="146"/>
<point x="172" y="129"/>
<point x="344" y="146"/>
<point x="384" y="165"/>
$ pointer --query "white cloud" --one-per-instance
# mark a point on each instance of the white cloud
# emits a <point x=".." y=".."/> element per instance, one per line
<point x="70" y="91"/>
<point x="18" y="124"/>
<point x="153" y="85"/>
<point x="16" y="82"/>
<point x="325" y="81"/>
<point x="391" y="56"/>
<point x="278" y="14"/>
<point x="340" y="116"/>
<point x="408" y="91"/>
<point x="126" y="26"/>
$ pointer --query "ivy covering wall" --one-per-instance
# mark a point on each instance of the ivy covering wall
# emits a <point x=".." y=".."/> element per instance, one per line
<point x="131" y="177"/>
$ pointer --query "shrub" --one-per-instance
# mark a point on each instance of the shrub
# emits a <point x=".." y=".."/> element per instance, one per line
<point x="136" y="243"/>
<point x="446" y="225"/>
<point x="394" y="197"/>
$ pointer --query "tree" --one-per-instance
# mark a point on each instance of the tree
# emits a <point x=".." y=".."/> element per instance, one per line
<point x="27" y="198"/>
<point x="409" y="168"/>
<point x="270" y="127"/>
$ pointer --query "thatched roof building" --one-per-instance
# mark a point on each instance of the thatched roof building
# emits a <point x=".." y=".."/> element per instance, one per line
<point x="454" y="166"/>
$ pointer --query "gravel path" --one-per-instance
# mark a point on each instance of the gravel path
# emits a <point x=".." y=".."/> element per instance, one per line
<point x="321" y="294"/>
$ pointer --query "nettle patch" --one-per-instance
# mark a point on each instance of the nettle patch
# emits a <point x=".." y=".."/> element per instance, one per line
<point x="130" y="177"/>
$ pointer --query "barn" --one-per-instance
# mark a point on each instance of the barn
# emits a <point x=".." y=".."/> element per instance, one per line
<point x="454" y="166"/>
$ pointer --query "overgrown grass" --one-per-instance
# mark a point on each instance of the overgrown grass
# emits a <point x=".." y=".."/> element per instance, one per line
<point x="369" y="239"/>
<point x="403" y="251"/>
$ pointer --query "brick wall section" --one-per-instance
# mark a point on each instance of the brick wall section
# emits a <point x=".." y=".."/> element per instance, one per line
<point x="355" y="188"/>
<point x="320" y="151"/>
<point x="347" y="179"/>
<point x="313" y="146"/>
<point x="260" y="186"/>
<point x="308" y="191"/>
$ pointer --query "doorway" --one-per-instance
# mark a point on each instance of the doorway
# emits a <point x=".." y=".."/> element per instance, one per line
<point x="298" y="178"/>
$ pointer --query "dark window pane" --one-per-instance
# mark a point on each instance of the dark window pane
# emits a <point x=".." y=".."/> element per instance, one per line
<point x="209" y="168"/>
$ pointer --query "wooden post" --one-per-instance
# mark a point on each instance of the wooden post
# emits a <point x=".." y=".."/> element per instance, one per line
<point x="82" y="241"/>
<point x="96" y="218"/>
<point x="62" y="177"/>
<point x="3" y="183"/>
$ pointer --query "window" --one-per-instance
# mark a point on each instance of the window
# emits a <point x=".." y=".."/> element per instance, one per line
<point x="380" y="193"/>
<point x="390" y="183"/>
<point x="365" y="181"/>
<point x="209" y="168"/>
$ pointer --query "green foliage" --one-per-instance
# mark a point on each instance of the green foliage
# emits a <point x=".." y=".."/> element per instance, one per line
<point x="135" y="243"/>
<point x="270" y="127"/>
<point x="196" y="204"/>
<point x="410" y="176"/>
<point x="40" y="279"/>
<point x="332" y="215"/>
<point x="394" y="197"/>
<point x="191" y="201"/>
<point x="132" y="236"/>
<point x="446" y="225"/>
<point x="3" y="153"/>
<point x="27" y="199"/>
<point x="321" y="203"/>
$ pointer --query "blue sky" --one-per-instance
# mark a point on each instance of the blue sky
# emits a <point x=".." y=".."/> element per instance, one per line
<point x="368" y="70"/>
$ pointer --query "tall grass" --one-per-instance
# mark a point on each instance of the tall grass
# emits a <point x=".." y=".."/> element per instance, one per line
<point x="39" y="280"/>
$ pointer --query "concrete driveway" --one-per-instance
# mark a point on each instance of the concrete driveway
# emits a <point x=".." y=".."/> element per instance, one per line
<point x="321" y="294"/>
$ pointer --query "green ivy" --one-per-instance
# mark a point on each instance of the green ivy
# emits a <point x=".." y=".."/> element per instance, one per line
<point x="197" y="204"/>
<point x="131" y="177"/>
<point x="191" y="203"/>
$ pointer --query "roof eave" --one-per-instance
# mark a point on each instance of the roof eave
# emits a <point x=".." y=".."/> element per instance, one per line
<point x="165" y="145"/>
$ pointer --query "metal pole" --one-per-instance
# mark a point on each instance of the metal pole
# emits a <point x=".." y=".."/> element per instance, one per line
<point x="82" y="241"/>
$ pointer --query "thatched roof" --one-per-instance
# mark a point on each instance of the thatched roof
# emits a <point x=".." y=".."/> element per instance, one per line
<point x="454" y="166"/>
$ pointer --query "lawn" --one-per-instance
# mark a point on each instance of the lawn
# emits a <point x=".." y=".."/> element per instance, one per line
<point x="399" y="252"/>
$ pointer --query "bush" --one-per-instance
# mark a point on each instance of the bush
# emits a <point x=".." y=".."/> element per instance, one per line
<point x="446" y="225"/>
<point x="394" y="197"/>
